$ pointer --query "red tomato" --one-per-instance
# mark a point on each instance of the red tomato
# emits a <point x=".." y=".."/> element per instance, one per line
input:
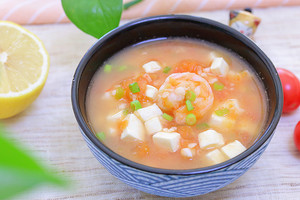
<point x="297" y="135"/>
<point x="291" y="90"/>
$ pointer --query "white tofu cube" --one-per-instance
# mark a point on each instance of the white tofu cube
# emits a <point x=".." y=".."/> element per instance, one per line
<point x="187" y="152"/>
<point x="151" y="92"/>
<point x="221" y="121"/>
<point x="151" y="67"/>
<point x="149" y="112"/>
<point x="233" y="149"/>
<point x="216" y="156"/>
<point x="116" y="116"/>
<point x="219" y="66"/>
<point x="210" y="138"/>
<point x="167" y="141"/>
<point x="153" y="125"/>
<point x="135" y="129"/>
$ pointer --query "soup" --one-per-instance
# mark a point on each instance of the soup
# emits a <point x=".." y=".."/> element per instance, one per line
<point x="176" y="104"/>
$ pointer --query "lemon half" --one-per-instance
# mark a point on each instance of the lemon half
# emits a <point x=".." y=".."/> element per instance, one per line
<point x="24" y="66"/>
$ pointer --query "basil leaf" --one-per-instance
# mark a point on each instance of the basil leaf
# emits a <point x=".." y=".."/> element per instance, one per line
<point x="94" y="17"/>
<point x="19" y="171"/>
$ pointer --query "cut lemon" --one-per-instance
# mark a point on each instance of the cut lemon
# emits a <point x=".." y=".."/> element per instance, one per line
<point x="24" y="65"/>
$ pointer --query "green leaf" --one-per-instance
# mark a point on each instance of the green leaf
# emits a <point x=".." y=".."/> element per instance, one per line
<point x="94" y="17"/>
<point x="131" y="3"/>
<point x="19" y="171"/>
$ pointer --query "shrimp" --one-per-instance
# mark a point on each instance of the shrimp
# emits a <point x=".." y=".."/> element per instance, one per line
<point x="171" y="95"/>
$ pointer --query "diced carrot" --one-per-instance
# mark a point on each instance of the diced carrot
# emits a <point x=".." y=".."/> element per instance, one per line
<point x="188" y="66"/>
<point x="122" y="124"/>
<point x="142" y="149"/>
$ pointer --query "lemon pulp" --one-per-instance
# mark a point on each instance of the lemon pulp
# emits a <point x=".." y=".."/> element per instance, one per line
<point x="24" y="65"/>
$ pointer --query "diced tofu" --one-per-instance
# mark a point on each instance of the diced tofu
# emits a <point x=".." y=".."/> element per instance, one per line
<point x="153" y="125"/>
<point x="219" y="66"/>
<point x="151" y="67"/>
<point x="233" y="149"/>
<point x="210" y="138"/>
<point x="221" y="121"/>
<point x="135" y="129"/>
<point x="149" y="112"/>
<point x="116" y="116"/>
<point x="216" y="156"/>
<point x="187" y="152"/>
<point x="151" y="92"/>
<point x="167" y="141"/>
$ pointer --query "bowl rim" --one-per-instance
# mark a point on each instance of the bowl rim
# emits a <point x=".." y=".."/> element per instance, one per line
<point x="237" y="35"/>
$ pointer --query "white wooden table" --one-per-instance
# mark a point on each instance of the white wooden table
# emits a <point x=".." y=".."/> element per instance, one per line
<point x="49" y="128"/>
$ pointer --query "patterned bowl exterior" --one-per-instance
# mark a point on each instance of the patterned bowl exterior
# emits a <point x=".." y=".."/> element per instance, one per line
<point x="175" y="185"/>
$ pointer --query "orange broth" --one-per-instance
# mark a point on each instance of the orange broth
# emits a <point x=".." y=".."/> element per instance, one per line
<point x="180" y="55"/>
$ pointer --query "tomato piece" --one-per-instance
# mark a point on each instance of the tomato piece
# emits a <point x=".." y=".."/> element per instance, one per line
<point x="142" y="149"/>
<point x="291" y="90"/>
<point x="188" y="66"/>
<point x="186" y="132"/>
<point x="297" y="135"/>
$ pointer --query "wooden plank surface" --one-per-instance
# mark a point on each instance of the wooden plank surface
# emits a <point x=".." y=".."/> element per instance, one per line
<point x="49" y="128"/>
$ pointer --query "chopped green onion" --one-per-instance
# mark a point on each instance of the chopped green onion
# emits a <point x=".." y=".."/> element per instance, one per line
<point x="125" y="112"/>
<point x="167" y="117"/>
<point x="134" y="87"/>
<point x="218" y="86"/>
<point x="107" y="68"/>
<point x="190" y="95"/>
<point x="167" y="70"/>
<point x="119" y="93"/>
<point x="122" y="68"/>
<point x="101" y="136"/>
<point x="190" y="119"/>
<point x="222" y="112"/>
<point x="189" y="105"/>
<point x="202" y="126"/>
<point x="135" y="105"/>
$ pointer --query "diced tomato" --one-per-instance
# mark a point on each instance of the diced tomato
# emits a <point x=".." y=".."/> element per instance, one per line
<point x="142" y="83"/>
<point x="186" y="132"/>
<point x="188" y="66"/>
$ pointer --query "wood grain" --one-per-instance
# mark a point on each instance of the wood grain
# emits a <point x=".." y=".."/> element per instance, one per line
<point x="49" y="128"/>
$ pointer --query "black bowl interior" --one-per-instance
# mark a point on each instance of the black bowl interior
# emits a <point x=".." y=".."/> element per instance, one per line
<point x="176" y="26"/>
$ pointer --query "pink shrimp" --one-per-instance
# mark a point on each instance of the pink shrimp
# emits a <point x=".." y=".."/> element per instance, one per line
<point x="171" y="95"/>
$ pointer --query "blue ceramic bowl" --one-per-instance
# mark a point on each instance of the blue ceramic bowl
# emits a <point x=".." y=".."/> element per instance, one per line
<point x="165" y="182"/>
